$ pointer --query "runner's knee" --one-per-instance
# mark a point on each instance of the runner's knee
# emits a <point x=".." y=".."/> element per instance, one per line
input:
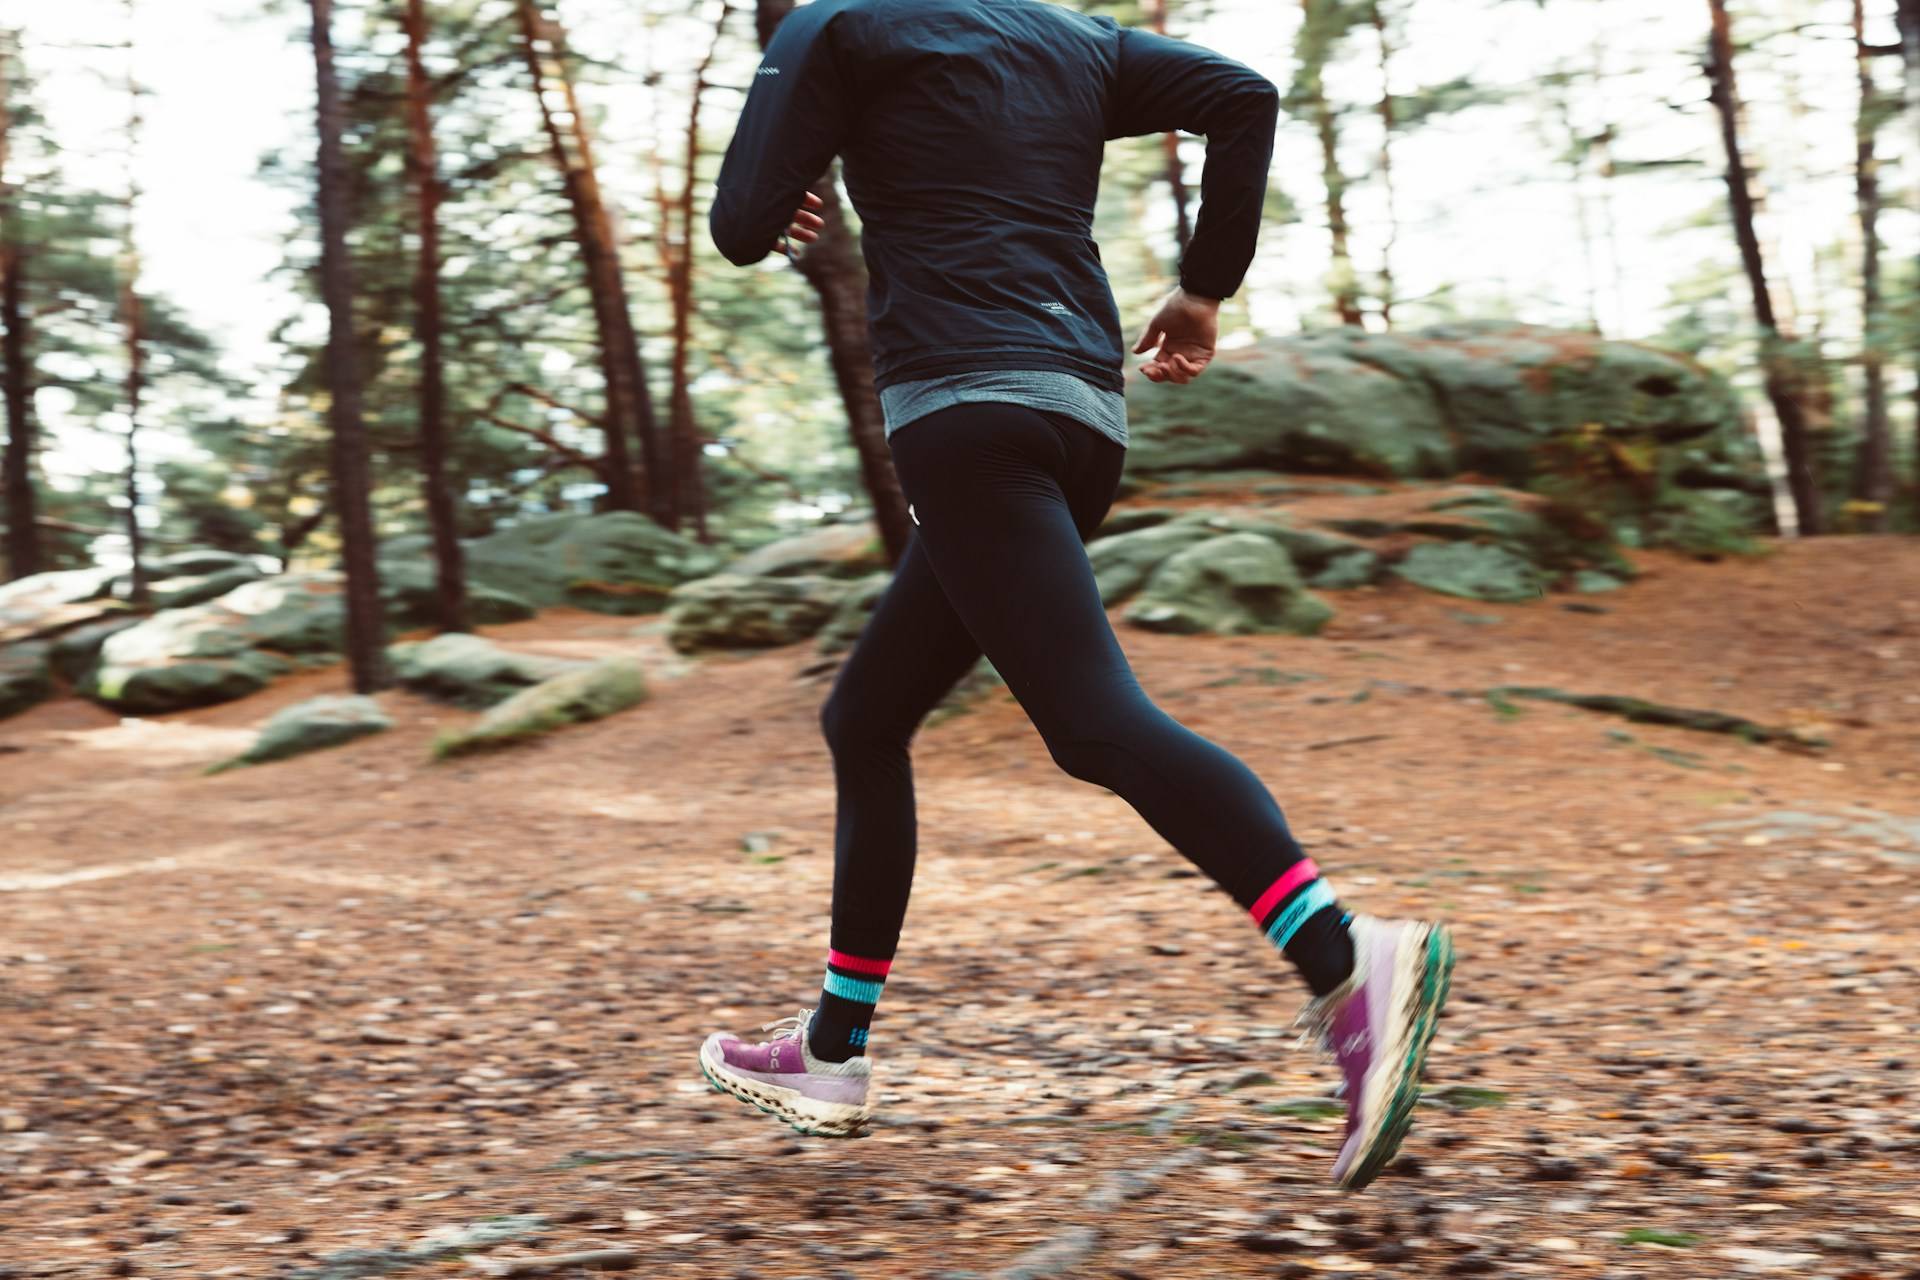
<point x="851" y="723"/>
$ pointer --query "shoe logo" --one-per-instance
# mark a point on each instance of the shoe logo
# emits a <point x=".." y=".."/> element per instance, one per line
<point x="774" y="1057"/>
<point x="1358" y="1042"/>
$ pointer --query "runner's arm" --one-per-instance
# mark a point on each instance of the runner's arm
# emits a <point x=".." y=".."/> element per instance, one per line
<point x="789" y="131"/>
<point x="1167" y="84"/>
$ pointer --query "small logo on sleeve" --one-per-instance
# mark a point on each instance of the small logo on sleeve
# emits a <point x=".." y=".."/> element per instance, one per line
<point x="767" y="71"/>
<point x="1058" y="309"/>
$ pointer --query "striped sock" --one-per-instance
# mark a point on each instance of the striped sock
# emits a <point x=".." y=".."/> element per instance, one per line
<point x="1301" y="917"/>
<point x="847" y="998"/>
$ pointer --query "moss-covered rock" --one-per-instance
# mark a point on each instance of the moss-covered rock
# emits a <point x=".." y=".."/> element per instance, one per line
<point x="409" y="595"/>
<point x="1293" y="405"/>
<point x="574" y="698"/>
<point x="1472" y="571"/>
<point x="45" y="604"/>
<point x="181" y="590"/>
<point x="25" y="677"/>
<point x="313" y="725"/>
<point x="727" y="611"/>
<point x="1636" y="441"/>
<point x="1233" y="584"/>
<point x="199" y="562"/>
<point x="470" y="672"/>
<point x="75" y="652"/>
<point x="613" y="562"/>
<point x="1123" y="563"/>
<point x="1348" y="570"/>
<point x="831" y="551"/>
<point x="221" y="650"/>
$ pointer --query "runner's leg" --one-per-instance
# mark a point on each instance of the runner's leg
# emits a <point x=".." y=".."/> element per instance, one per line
<point x="1005" y="496"/>
<point x="911" y="653"/>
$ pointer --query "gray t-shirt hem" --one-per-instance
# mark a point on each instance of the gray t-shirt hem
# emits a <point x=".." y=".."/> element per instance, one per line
<point x="1105" y="411"/>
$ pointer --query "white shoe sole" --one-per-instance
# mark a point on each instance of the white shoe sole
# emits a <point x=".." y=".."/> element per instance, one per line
<point x="808" y="1115"/>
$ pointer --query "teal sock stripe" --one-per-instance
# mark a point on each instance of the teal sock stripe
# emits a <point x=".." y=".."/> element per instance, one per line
<point x="856" y="989"/>
<point x="1314" y="897"/>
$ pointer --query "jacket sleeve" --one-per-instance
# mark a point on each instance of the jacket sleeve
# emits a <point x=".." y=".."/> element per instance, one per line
<point x="1166" y="84"/>
<point x="788" y="133"/>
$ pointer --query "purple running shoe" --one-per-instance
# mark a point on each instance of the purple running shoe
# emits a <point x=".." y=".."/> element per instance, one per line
<point x="783" y="1078"/>
<point x="1377" y="1026"/>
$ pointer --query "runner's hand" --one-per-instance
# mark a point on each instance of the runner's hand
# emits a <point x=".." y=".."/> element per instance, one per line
<point x="1181" y="336"/>
<point x="807" y="224"/>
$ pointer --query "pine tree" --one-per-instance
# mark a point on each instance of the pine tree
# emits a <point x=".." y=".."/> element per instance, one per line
<point x="352" y="481"/>
<point x="17" y="489"/>
<point x="629" y="405"/>
<point x="1781" y="379"/>
<point x="450" y="590"/>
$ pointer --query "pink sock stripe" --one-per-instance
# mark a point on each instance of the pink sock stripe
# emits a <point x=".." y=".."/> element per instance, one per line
<point x="1294" y="876"/>
<point x="858" y="964"/>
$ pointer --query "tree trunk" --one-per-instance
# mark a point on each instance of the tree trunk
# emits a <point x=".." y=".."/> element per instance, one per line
<point x="1346" y="299"/>
<point x="130" y="311"/>
<point x="629" y="407"/>
<point x="1908" y="15"/>
<point x="23" y="530"/>
<point x="689" y="492"/>
<point x="136" y="370"/>
<point x="1170" y="144"/>
<point x="450" y="591"/>
<point x="1781" y="377"/>
<point x="352" y="481"/>
<point x="839" y="277"/>
<point x="1873" y="479"/>
<point x="1387" y="125"/>
<point x="16" y="375"/>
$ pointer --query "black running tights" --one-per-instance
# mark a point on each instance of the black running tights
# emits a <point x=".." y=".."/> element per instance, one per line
<point x="1004" y="497"/>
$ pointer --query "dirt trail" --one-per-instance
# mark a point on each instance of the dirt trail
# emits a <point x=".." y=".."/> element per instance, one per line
<point x="254" y="1020"/>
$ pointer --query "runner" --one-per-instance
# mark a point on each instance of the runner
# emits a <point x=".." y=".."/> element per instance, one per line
<point x="971" y="133"/>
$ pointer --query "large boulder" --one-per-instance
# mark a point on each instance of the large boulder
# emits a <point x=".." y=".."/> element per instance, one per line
<point x="74" y="653"/>
<point x="612" y="562"/>
<point x="831" y="551"/>
<point x="44" y="604"/>
<point x="574" y="698"/>
<point x="24" y="678"/>
<point x="313" y="725"/>
<point x="1472" y="570"/>
<point x="1123" y="562"/>
<point x="409" y="596"/>
<point x="223" y="649"/>
<point x="198" y="562"/>
<point x="731" y="612"/>
<point x="1233" y="584"/>
<point x="180" y="590"/>
<point x="470" y="672"/>
<point x="1642" y="439"/>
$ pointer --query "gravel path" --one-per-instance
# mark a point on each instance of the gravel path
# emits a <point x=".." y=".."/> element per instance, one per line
<point x="359" y="1014"/>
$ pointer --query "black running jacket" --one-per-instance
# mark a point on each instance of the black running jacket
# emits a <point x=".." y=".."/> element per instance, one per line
<point x="971" y="134"/>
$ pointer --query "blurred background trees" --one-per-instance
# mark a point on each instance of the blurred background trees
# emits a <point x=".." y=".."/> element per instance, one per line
<point x="540" y="325"/>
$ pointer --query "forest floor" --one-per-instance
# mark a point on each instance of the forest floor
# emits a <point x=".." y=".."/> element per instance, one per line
<point x="445" y="1015"/>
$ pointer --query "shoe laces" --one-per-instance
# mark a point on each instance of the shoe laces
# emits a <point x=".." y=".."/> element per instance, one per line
<point x="1314" y="1022"/>
<point x="1315" y="1019"/>
<point x="791" y="1027"/>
